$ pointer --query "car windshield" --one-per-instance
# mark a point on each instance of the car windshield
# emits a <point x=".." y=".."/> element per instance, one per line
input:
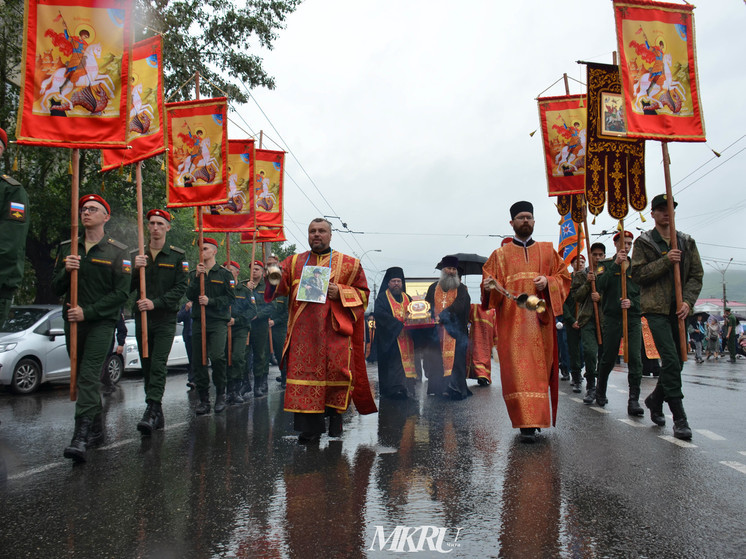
<point x="22" y="318"/>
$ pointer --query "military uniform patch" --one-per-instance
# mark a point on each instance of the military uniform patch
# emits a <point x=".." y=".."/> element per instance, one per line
<point x="17" y="211"/>
<point x="126" y="266"/>
<point x="185" y="266"/>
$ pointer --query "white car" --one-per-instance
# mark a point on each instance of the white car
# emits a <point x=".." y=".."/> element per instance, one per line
<point x="177" y="357"/>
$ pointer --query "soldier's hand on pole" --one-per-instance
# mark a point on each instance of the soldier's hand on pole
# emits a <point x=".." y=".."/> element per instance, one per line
<point x="683" y="311"/>
<point x="595" y="297"/>
<point x="203" y="300"/>
<point x="621" y="257"/>
<point x="674" y="255"/>
<point x="72" y="262"/>
<point x="75" y="314"/>
<point x="591" y="276"/>
<point x="145" y="305"/>
<point x="626" y="304"/>
<point x="141" y="261"/>
<point x="201" y="268"/>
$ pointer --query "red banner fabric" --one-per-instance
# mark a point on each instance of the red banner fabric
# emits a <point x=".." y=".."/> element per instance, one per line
<point x="146" y="128"/>
<point x="198" y="152"/>
<point x="269" y="187"/>
<point x="659" y="70"/>
<point x="563" y="123"/>
<point x="74" y="85"/>
<point x="236" y="214"/>
<point x="264" y="235"/>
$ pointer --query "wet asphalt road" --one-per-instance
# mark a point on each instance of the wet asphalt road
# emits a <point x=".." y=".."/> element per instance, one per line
<point x="601" y="484"/>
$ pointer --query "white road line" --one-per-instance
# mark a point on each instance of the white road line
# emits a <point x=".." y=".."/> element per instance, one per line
<point x="175" y="425"/>
<point x="735" y="465"/>
<point x="612" y="385"/>
<point x="599" y="410"/>
<point x="116" y="444"/>
<point x="710" y="435"/>
<point x="576" y="399"/>
<point x="38" y="470"/>
<point x="678" y="442"/>
<point x="632" y="422"/>
<point x="621" y="391"/>
<point x="742" y="452"/>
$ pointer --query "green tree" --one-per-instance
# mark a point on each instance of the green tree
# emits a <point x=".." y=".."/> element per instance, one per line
<point x="214" y="37"/>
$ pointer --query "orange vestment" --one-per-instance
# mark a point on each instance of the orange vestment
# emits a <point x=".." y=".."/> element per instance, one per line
<point x="527" y="340"/>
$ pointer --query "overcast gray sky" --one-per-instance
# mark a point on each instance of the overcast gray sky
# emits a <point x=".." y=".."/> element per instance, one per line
<point x="412" y="118"/>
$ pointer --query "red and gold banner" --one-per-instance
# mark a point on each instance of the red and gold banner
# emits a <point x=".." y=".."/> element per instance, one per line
<point x="146" y="128"/>
<point x="264" y="235"/>
<point x="616" y="163"/>
<point x="563" y="132"/>
<point x="198" y="152"/>
<point x="659" y="70"/>
<point x="269" y="187"/>
<point x="236" y="214"/>
<point x="74" y="85"/>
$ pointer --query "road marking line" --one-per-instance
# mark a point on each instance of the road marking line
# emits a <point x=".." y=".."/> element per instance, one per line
<point x="742" y="452"/>
<point x="621" y="391"/>
<point x="678" y="442"/>
<point x="710" y="435"/>
<point x="631" y="422"/>
<point x="599" y="410"/>
<point x="116" y="444"/>
<point x="38" y="470"/>
<point x="575" y="399"/>
<point x="612" y="386"/>
<point x="735" y="465"/>
<point x="175" y="425"/>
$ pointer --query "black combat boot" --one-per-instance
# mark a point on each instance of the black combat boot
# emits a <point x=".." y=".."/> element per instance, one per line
<point x="148" y="421"/>
<point x="204" y="404"/>
<point x="590" y="393"/>
<point x="160" y="421"/>
<point x="335" y="424"/>
<point x="237" y="398"/>
<point x="577" y="382"/>
<point x="654" y="402"/>
<point x="96" y="431"/>
<point x="260" y="386"/>
<point x="79" y="442"/>
<point x="681" y="428"/>
<point x="633" y="404"/>
<point x="245" y="389"/>
<point x="220" y="401"/>
<point x="601" y="398"/>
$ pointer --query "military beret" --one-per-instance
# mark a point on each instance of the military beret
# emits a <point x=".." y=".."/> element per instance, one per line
<point x="661" y="200"/>
<point x="158" y="213"/>
<point x="94" y="198"/>
<point x="4" y="137"/>
<point x="626" y="234"/>
<point x="258" y="263"/>
<point x="232" y="263"/>
<point x="209" y="241"/>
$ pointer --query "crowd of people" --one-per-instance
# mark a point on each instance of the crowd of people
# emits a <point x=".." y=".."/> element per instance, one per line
<point x="545" y="322"/>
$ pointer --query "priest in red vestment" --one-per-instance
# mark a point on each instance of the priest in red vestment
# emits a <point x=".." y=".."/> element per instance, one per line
<point x="325" y="345"/>
<point x="526" y="339"/>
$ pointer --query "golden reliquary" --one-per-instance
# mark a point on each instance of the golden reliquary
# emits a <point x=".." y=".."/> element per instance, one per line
<point x="418" y="315"/>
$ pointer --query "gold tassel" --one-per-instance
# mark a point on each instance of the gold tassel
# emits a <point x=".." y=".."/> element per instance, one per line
<point x="70" y="167"/>
<point x="163" y="164"/>
<point x="642" y="218"/>
<point x="15" y="162"/>
<point x="620" y="225"/>
<point x="121" y="170"/>
<point x="594" y="220"/>
<point x="531" y="134"/>
<point x="129" y="176"/>
<point x="194" y="241"/>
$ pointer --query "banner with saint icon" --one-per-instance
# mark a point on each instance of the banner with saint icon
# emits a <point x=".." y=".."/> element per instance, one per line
<point x="146" y="128"/>
<point x="658" y="69"/>
<point x="74" y="84"/>
<point x="197" y="152"/>
<point x="236" y="214"/>
<point x="269" y="187"/>
<point x="563" y="131"/>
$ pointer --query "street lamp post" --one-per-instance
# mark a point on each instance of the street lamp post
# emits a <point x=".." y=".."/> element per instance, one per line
<point x="722" y="273"/>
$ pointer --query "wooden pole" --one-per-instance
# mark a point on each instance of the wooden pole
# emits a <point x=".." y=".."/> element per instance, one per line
<point x="674" y="246"/>
<point x="75" y="194"/>
<point x="230" y="328"/>
<point x="596" y="314"/>
<point x="141" y="252"/>
<point x="202" y="318"/>
<point x="625" y="322"/>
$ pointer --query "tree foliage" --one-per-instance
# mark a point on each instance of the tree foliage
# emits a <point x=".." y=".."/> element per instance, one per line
<point x="214" y="37"/>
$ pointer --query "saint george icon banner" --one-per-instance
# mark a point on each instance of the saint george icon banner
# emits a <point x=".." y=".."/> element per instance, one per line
<point x="146" y="123"/>
<point x="74" y="84"/>
<point x="236" y="214"/>
<point x="269" y="187"/>
<point x="659" y="70"/>
<point x="568" y="247"/>
<point x="615" y="174"/>
<point x="563" y="133"/>
<point x="198" y="152"/>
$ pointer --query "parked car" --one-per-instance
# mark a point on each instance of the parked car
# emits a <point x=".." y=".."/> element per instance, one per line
<point x="32" y="348"/>
<point x="177" y="358"/>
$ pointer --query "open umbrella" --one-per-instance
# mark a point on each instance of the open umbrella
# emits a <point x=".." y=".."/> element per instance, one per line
<point x="470" y="264"/>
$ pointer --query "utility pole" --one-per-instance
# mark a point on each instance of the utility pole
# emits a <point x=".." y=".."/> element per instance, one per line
<point x="722" y="273"/>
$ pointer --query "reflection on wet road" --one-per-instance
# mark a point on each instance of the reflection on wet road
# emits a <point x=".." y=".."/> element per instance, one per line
<point x="425" y="477"/>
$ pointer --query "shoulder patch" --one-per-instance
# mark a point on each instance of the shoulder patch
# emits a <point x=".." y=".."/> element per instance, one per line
<point x="177" y="249"/>
<point x="17" y="211"/>
<point x="116" y="244"/>
<point x="11" y="180"/>
<point x="185" y="266"/>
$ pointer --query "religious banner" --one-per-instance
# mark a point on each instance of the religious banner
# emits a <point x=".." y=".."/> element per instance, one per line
<point x="568" y="247"/>
<point x="74" y="84"/>
<point x="146" y="128"/>
<point x="268" y="187"/>
<point x="659" y="70"/>
<point x="615" y="172"/>
<point x="198" y="152"/>
<point x="264" y="235"/>
<point x="236" y="214"/>
<point x="563" y="132"/>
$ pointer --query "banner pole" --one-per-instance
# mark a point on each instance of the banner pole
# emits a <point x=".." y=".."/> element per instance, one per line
<point x="674" y="246"/>
<point x="230" y="328"/>
<point x="596" y="314"/>
<point x="141" y="252"/>
<point x="625" y="323"/>
<point x="202" y="318"/>
<point x="75" y="194"/>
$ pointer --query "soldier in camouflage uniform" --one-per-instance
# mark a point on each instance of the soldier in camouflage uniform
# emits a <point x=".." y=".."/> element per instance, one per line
<point x="242" y="311"/>
<point x="165" y="284"/>
<point x="103" y="285"/>
<point x="259" y="339"/>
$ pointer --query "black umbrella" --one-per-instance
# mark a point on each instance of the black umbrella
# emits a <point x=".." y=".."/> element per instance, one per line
<point x="469" y="264"/>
